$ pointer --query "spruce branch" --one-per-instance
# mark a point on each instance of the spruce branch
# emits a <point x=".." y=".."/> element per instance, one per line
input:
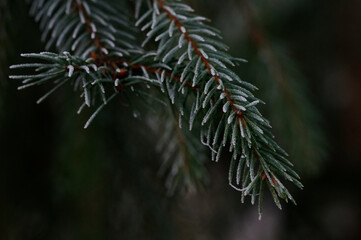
<point x="182" y="154"/>
<point x="177" y="30"/>
<point x="291" y="109"/>
<point x="190" y="68"/>
<point x="85" y="26"/>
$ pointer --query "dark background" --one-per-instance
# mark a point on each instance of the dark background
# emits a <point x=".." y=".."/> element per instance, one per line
<point x="58" y="181"/>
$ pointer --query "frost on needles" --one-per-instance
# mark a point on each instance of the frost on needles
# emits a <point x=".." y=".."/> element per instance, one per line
<point x="161" y="50"/>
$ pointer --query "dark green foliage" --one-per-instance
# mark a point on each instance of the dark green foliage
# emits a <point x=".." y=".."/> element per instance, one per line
<point x="181" y="65"/>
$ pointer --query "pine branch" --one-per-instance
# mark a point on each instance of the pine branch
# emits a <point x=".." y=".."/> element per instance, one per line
<point x="103" y="74"/>
<point x="190" y="68"/>
<point x="290" y="107"/>
<point x="85" y="26"/>
<point x="182" y="35"/>
<point x="182" y="154"/>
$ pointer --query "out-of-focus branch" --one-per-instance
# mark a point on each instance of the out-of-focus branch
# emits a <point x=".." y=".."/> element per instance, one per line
<point x="299" y="126"/>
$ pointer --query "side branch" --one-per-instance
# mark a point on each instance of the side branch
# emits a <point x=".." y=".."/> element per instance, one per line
<point x="90" y="26"/>
<point x="119" y="67"/>
<point x="183" y="30"/>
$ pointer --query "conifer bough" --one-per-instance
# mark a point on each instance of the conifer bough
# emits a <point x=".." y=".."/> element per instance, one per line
<point x="166" y="53"/>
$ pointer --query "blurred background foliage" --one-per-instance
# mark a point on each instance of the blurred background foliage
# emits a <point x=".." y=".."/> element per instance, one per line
<point x="59" y="181"/>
